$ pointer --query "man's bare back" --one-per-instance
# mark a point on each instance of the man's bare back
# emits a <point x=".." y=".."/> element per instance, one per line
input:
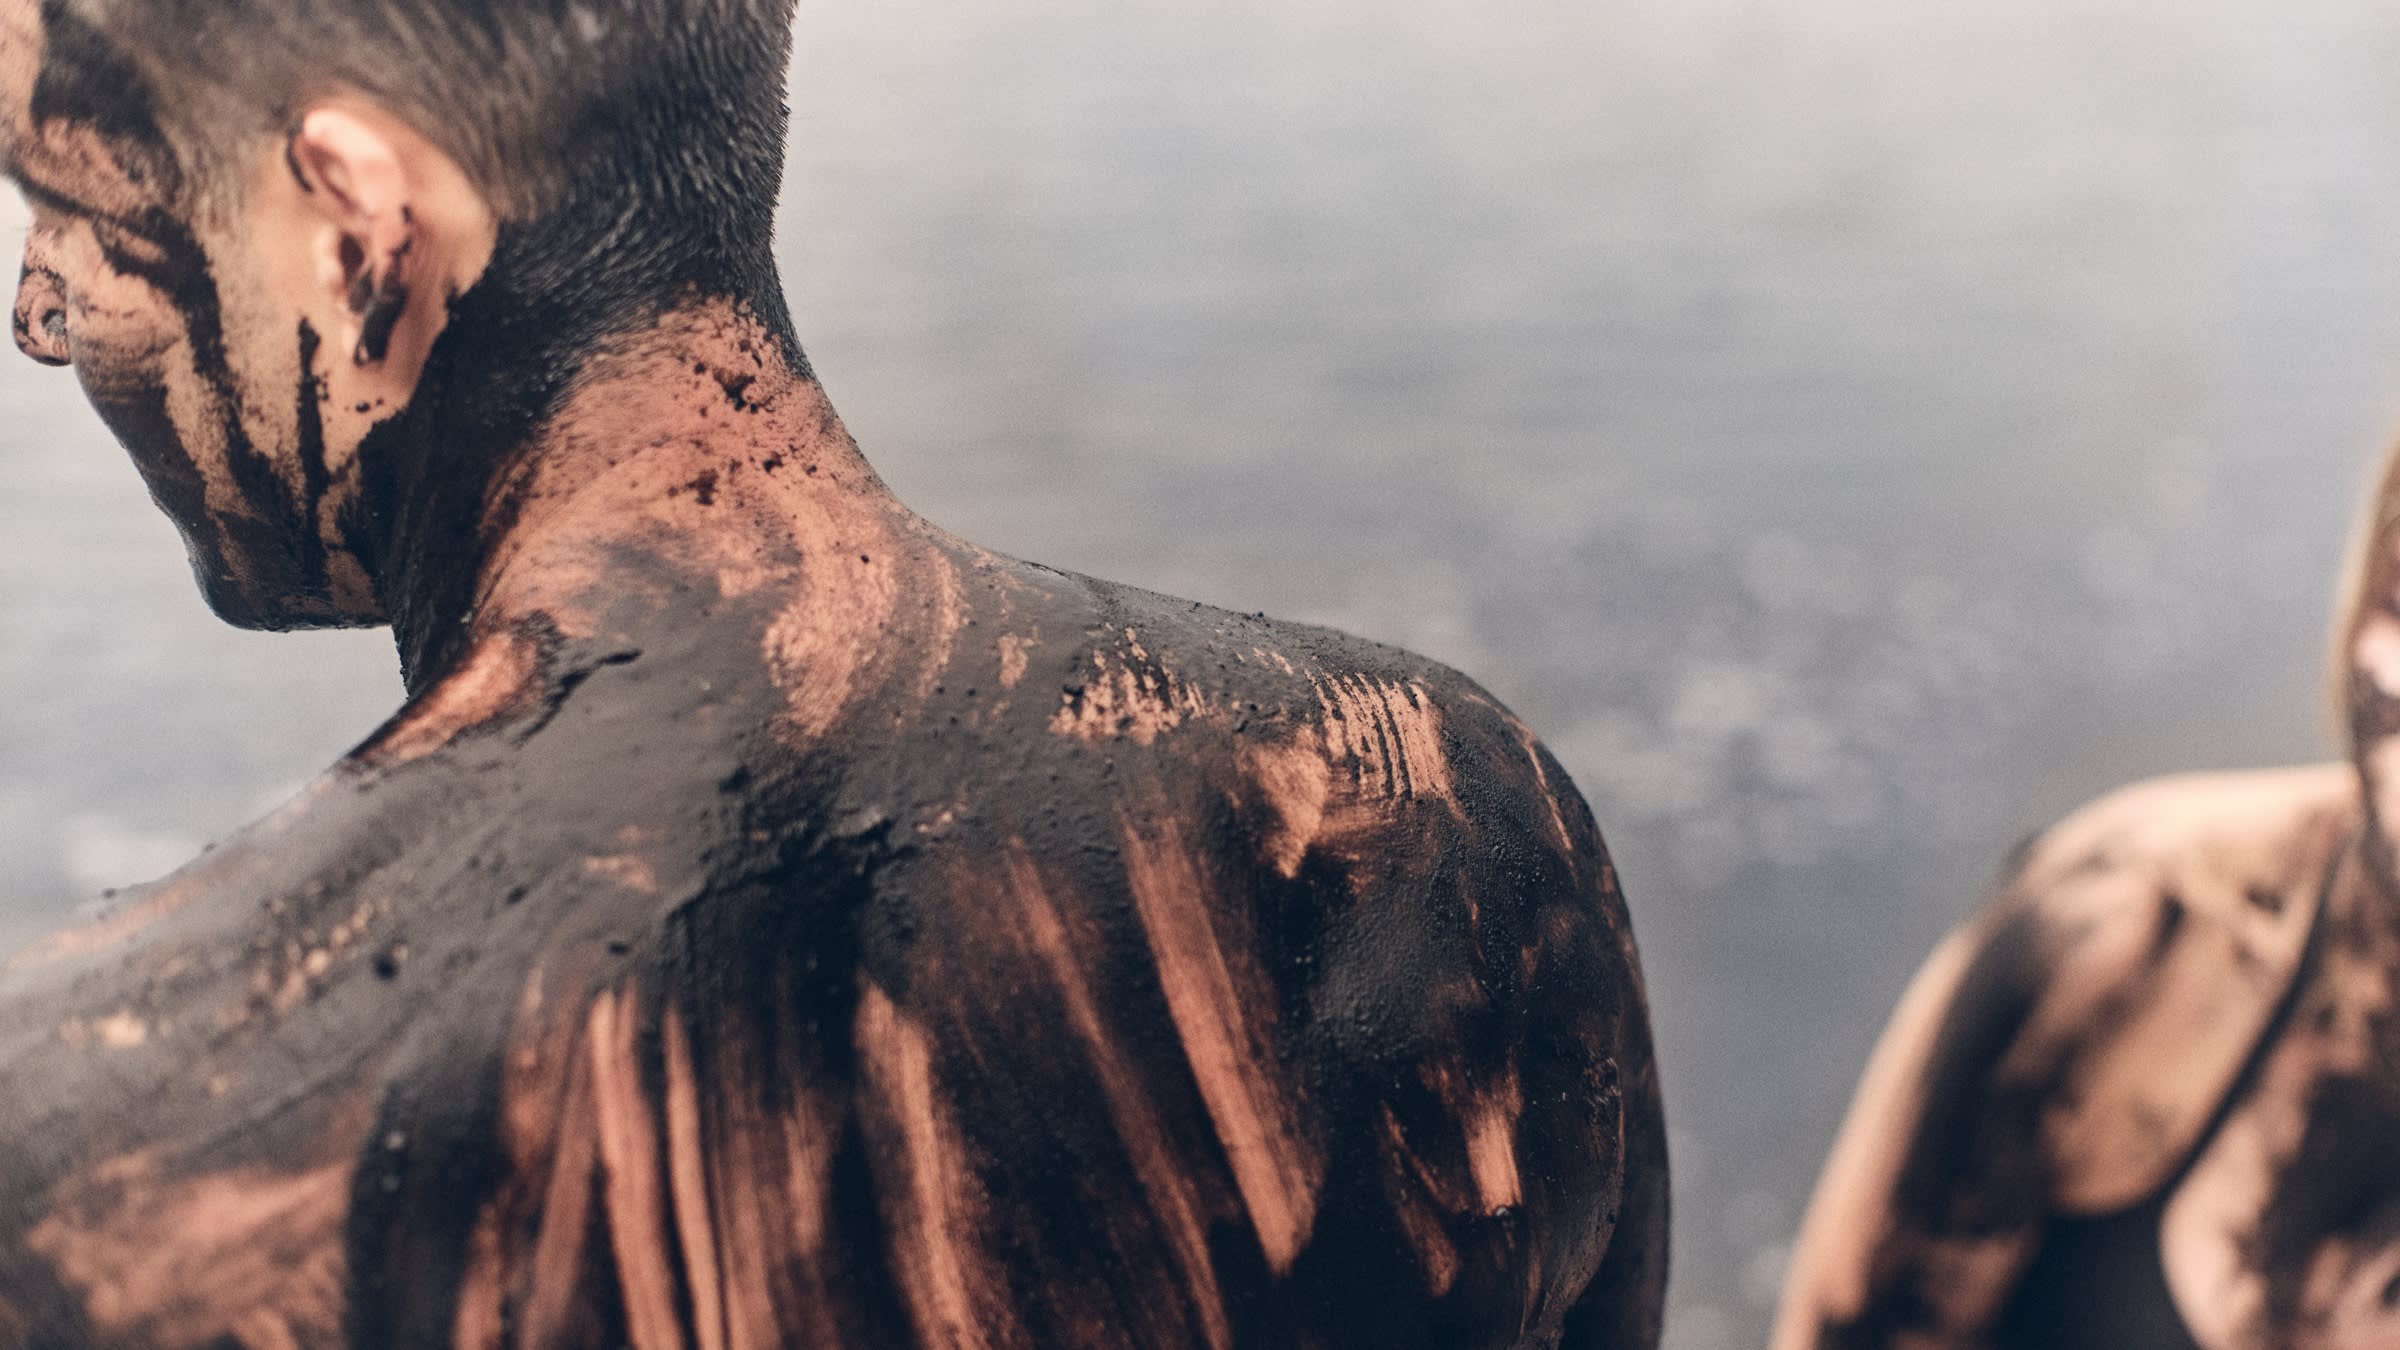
<point x="772" y="920"/>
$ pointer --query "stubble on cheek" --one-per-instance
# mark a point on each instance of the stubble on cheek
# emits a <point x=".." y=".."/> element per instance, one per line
<point x="210" y="396"/>
<point x="129" y="389"/>
<point x="137" y="371"/>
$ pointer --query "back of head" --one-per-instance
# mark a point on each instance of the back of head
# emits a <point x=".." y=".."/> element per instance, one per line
<point x="328" y="267"/>
<point x="640" y="140"/>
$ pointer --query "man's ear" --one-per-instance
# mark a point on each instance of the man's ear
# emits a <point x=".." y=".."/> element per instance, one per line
<point x="353" y="175"/>
<point x="397" y="230"/>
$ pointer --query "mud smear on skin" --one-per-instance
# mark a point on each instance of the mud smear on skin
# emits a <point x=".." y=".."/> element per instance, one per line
<point x="270" y="557"/>
<point x="682" y="980"/>
<point x="640" y="830"/>
<point x="1974" y="1167"/>
<point x="84" y="82"/>
<point x="315" y="478"/>
<point x="1978" y="1168"/>
<point x="2341" y="1187"/>
<point x="2092" y="1098"/>
<point x="441" y="481"/>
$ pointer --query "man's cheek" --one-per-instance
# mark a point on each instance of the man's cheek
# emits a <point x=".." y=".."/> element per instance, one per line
<point x="139" y="415"/>
<point x="127" y="378"/>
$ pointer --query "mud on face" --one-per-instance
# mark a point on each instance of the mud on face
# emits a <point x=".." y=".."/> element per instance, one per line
<point x="163" y="314"/>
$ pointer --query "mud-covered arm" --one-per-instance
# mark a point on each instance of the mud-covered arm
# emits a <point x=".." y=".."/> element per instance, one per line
<point x="1624" y="1308"/>
<point x="2062" y="1053"/>
<point x="1930" y="1202"/>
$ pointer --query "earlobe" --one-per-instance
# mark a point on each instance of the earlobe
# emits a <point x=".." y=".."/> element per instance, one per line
<point x="379" y="312"/>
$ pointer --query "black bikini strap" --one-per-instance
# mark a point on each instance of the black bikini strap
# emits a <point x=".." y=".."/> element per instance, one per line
<point x="2255" y="1063"/>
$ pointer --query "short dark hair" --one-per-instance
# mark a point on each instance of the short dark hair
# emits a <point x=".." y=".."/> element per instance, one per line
<point x="657" y="124"/>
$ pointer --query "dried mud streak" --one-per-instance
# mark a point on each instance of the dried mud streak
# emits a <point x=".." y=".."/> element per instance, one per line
<point x="1175" y="1202"/>
<point x="933" y="1231"/>
<point x="182" y="1264"/>
<point x="1258" y="1118"/>
<point x="635" y="1192"/>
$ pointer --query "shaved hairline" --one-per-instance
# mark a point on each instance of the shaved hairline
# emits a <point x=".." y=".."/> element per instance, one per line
<point x="680" y="98"/>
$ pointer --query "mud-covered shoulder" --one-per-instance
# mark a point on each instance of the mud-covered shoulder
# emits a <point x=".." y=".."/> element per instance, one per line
<point x="1364" y="920"/>
<point x="2144" y="943"/>
<point x="186" y="1088"/>
<point x="221" y="1096"/>
<point x="1295" y="951"/>
<point x="2062" y="1053"/>
<point x="1326" y="724"/>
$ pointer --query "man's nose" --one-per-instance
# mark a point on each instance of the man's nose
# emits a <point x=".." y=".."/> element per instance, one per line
<point x="40" y="321"/>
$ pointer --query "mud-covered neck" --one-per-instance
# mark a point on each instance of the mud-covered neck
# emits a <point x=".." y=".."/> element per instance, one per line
<point x="543" y="465"/>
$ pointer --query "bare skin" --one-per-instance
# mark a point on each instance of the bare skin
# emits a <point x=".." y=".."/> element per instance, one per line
<point x="772" y="920"/>
<point x="2147" y="1097"/>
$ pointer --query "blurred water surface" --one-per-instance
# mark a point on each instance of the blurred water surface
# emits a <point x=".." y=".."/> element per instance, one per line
<point x="1851" y="432"/>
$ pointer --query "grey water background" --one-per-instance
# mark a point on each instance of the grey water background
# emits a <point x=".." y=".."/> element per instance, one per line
<point x="1851" y="432"/>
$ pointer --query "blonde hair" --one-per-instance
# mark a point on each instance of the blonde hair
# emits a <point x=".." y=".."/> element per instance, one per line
<point x="2370" y="569"/>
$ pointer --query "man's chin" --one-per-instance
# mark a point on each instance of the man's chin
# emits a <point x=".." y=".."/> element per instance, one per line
<point x="239" y="604"/>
